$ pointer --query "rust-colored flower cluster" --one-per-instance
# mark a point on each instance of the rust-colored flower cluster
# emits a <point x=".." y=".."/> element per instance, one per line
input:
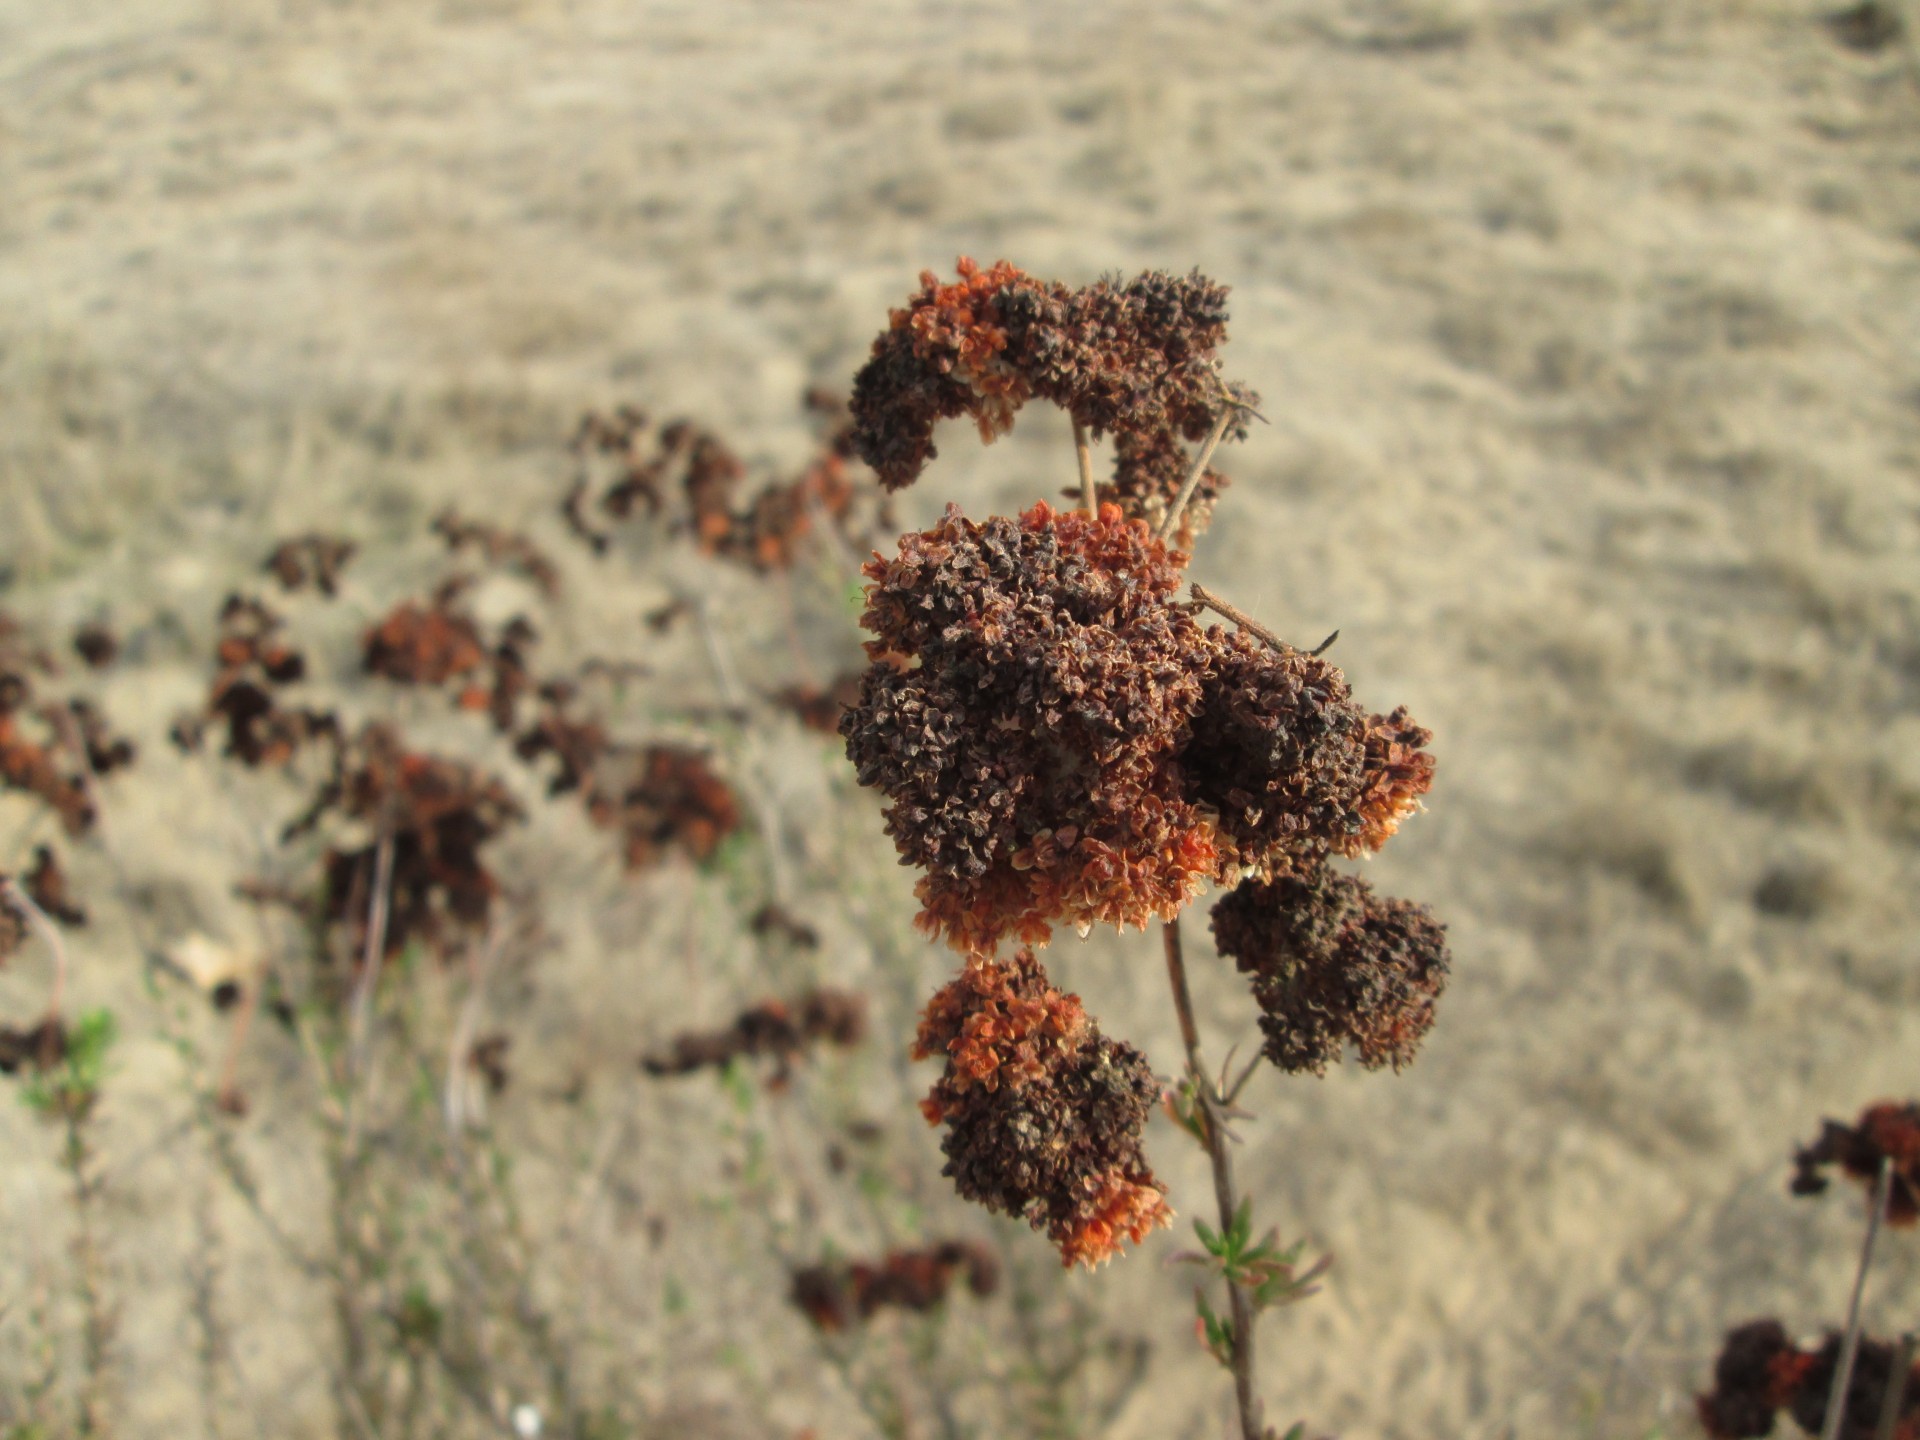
<point x="1044" y="1114"/>
<point x="51" y="750"/>
<point x="1134" y="359"/>
<point x="837" y="1295"/>
<point x="434" y="642"/>
<point x="1761" y="1372"/>
<point x="1333" y="964"/>
<point x="499" y="546"/>
<point x="434" y="815"/>
<point x="1064" y="744"/>
<point x="773" y="1028"/>
<point x="764" y="532"/>
<point x="255" y="664"/>
<point x="1888" y="1131"/>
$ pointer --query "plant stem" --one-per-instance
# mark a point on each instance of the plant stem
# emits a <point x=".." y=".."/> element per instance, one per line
<point x="16" y="895"/>
<point x="1850" y="1347"/>
<point x="1083" y="451"/>
<point x="1178" y="508"/>
<point x="1894" y="1401"/>
<point x="1207" y="1099"/>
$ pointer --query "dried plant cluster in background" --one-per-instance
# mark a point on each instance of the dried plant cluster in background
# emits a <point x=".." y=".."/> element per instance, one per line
<point x="772" y="1028"/>
<point x="1848" y="1385"/>
<point x="51" y="749"/>
<point x="840" y="1295"/>
<point x="687" y="476"/>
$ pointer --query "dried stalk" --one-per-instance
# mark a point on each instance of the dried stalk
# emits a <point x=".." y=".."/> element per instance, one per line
<point x="1214" y="436"/>
<point x="1850" y="1347"/>
<point x="1895" y="1399"/>
<point x="15" y="895"/>
<point x="1083" y="451"/>
<point x="361" y="1018"/>
<point x="1204" y="596"/>
<point x="1209" y="1103"/>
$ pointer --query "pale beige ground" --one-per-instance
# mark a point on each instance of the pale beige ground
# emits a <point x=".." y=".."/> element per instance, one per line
<point x="1587" y="331"/>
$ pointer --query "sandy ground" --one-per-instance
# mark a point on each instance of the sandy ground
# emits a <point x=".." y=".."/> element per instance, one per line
<point x="1587" y="334"/>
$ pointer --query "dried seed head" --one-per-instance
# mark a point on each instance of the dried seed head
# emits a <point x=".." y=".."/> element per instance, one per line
<point x="1761" y="1372"/>
<point x="1332" y="963"/>
<point x="1044" y="1114"/>
<point x="1886" y="1131"/>
<point x="1134" y="359"/>
<point x="1026" y="746"/>
<point x="1398" y="772"/>
<point x="1277" y="754"/>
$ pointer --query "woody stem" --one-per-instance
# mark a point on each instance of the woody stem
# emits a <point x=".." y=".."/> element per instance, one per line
<point x="1207" y="1099"/>
<point x="1083" y="451"/>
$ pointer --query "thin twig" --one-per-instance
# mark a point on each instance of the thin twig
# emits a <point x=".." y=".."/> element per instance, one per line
<point x="1245" y="621"/>
<point x="1895" y="1400"/>
<point x="1850" y="1348"/>
<point x="1216" y="1137"/>
<point x="1083" y="451"/>
<point x="376" y="949"/>
<point x="1174" y="511"/>
<point x="15" y="894"/>
<point x="479" y="960"/>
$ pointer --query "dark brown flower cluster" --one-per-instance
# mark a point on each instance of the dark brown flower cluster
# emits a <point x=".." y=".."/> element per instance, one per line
<point x="51" y="750"/>
<point x="1331" y="964"/>
<point x="1133" y="359"/>
<point x="96" y="645"/>
<point x="436" y="815"/>
<point x="1060" y="742"/>
<point x="41" y="1046"/>
<point x="840" y="1294"/>
<point x="1044" y="1114"/>
<point x="764" y="533"/>
<point x="255" y="664"/>
<point x="47" y="886"/>
<point x="1888" y="1131"/>
<point x="773" y="1028"/>
<point x="311" y="559"/>
<point x="1761" y="1372"/>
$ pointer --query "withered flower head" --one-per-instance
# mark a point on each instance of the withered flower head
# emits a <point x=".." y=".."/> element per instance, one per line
<point x="436" y="814"/>
<point x="1031" y="687"/>
<point x="1761" y="1372"/>
<point x="1130" y="358"/>
<point x="836" y="1295"/>
<point x="1331" y="962"/>
<point x="427" y="644"/>
<point x="1277" y="755"/>
<point x="1398" y="772"/>
<point x="1044" y="1114"/>
<point x="1887" y="1131"/>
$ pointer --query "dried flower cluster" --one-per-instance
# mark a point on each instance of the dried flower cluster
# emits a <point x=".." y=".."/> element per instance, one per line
<point x="435" y="815"/>
<point x="499" y="546"/>
<point x="774" y="1028"/>
<point x="1060" y="743"/>
<point x="1888" y="1131"/>
<point x="42" y="1046"/>
<point x="434" y="642"/>
<point x="311" y="559"/>
<point x="763" y="533"/>
<point x="1044" y="1114"/>
<point x="1761" y="1372"/>
<point x="51" y="750"/>
<point x="1134" y="359"/>
<point x="46" y="885"/>
<point x="840" y="1294"/>
<point x="96" y="645"/>
<point x="255" y="664"/>
<point x="13" y="924"/>
<point x="1333" y="964"/>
